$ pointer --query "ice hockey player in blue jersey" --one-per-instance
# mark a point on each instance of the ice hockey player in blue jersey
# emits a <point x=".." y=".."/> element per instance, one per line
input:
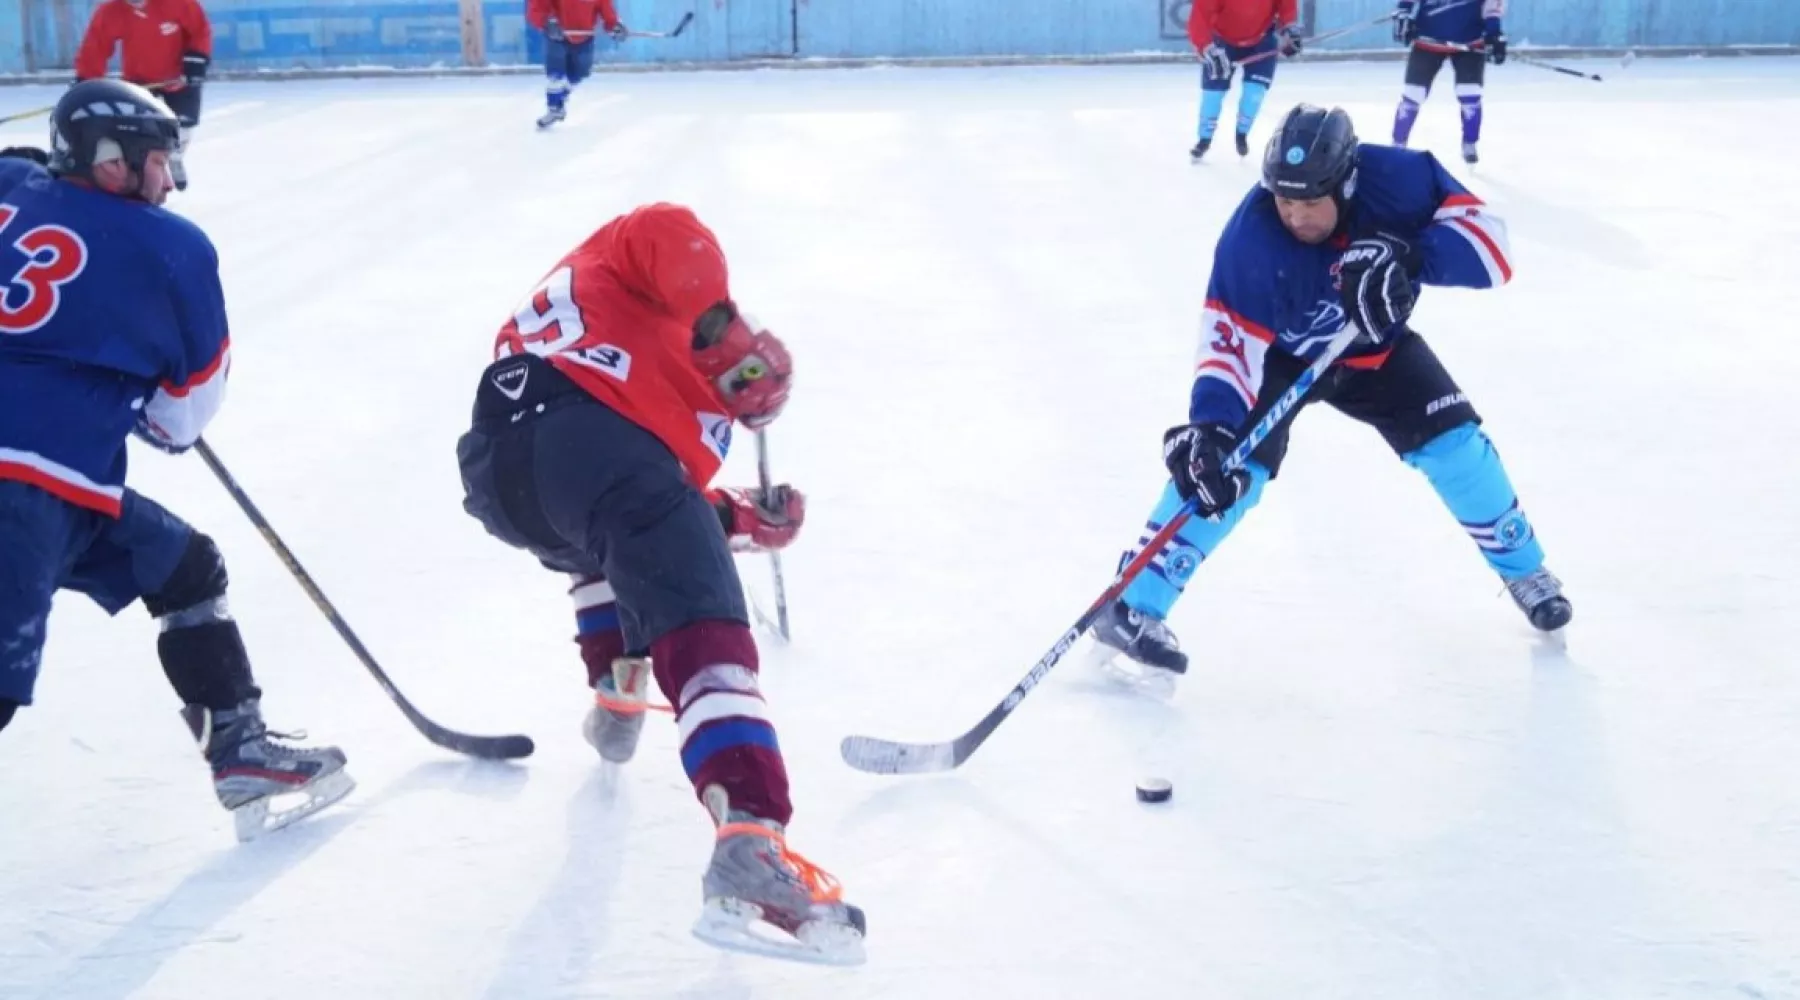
<point x="1337" y="233"/>
<point x="112" y="324"/>
<point x="1448" y="29"/>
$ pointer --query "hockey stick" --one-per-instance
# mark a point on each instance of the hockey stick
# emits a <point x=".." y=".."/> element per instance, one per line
<point x="1529" y="61"/>
<point x="34" y="112"/>
<point x="486" y="747"/>
<point x="763" y="476"/>
<point x="877" y="756"/>
<point x="686" y="19"/>
<point x="1348" y="30"/>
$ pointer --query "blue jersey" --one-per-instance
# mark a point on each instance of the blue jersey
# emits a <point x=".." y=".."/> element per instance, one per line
<point x="1461" y="22"/>
<point x="111" y="317"/>
<point x="1271" y="292"/>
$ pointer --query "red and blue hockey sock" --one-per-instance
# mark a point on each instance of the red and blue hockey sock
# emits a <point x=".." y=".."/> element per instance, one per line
<point x="708" y="671"/>
<point x="597" y="628"/>
<point x="1464" y="468"/>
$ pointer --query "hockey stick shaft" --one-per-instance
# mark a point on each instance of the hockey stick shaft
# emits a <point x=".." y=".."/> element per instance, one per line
<point x="1348" y="30"/>
<point x="34" y="112"/>
<point x="764" y="477"/>
<point x="686" y="19"/>
<point x="888" y="757"/>
<point x="1526" y="60"/>
<point x="493" y="747"/>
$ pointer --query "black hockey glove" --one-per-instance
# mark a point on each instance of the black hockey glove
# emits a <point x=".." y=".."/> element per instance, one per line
<point x="193" y="68"/>
<point x="1406" y="22"/>
<point x="553" y="30"/>
<point x="1376" y="286"/>
<point x="1195" y="455"/>
<point x="1495" y="42"/>
<point x="618" y="32"/>
<point x="1288" y="41"/>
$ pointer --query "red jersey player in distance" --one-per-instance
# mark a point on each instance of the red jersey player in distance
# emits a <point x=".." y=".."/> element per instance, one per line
<point x="595" y="437"/>
<point x="166" y="46"/>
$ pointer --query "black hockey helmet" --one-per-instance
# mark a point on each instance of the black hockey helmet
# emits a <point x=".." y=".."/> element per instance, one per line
<point x="1312" y="154"/>
<point x="96" y="112"/>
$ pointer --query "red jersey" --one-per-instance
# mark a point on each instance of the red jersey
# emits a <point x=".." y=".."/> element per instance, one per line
<point x="1239" y="22"/>
<point x="577" y="17"/>
<point x="155" y="33"/>
<point x="617" y="316"/>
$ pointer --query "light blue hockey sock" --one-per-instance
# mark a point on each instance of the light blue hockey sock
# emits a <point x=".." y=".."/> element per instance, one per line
<point x="1464" y="468"/>
<point x="1250" y="104"/>
<point x="1155" y="590"/>
<point x="1212" y="105"/>
<point x="556" y="92"/>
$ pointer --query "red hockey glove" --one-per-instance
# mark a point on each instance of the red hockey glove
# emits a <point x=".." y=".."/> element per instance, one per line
<point x="749" y="365"/>
<point x="755" y="522"/>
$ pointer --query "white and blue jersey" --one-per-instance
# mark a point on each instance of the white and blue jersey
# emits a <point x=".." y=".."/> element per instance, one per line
<point x="112" y="318"/>
<point x="1270" y="292"/>
<point x="1459" y="23"/>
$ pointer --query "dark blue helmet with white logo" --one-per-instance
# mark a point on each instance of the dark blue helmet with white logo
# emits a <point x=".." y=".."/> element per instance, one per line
<point x="101" y="119"/>
<point x="1311" y="155"/>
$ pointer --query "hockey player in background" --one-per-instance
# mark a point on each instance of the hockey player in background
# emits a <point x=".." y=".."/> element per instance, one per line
<point x="568" y="27"/>
<point x="114" y="325"/>
<point x="1228" y="32"/>
<point x="1424" y="26"/>
<point x="596" y="432"/>
<point x="1336" y="233"/>
<point x="167" y="48"/>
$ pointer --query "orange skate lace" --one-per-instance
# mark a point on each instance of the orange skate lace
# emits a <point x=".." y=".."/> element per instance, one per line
<point x="627" y="706"/>
<point x="821" y="884"/>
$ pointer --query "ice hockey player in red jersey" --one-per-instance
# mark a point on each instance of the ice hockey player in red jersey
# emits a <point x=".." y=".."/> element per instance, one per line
<point x="167" y="48"/>
<point x="595" y="435"/>
<point x="1229" y="32"/>
<point x="568" y="27"/>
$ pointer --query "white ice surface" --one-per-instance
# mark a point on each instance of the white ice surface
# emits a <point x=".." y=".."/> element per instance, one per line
<point x="1386" y="788"/>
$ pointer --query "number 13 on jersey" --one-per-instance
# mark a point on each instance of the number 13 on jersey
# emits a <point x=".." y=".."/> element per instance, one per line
<point x="54" y="256"/>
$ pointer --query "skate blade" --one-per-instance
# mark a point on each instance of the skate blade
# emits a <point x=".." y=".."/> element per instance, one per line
<point x="1118" y="670"/>
<point x="735" y="925"/>
<point x="253" y="819"/>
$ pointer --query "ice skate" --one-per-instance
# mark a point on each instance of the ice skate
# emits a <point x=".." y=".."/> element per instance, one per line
<point x="551" y="117"/>
<point x="1199" y="151"/>
<point x="763" y="899"/>
<point x="1469" y="155"/>
<point x="616" y="721"/>
<point x="1154" y="657"/>
<point x="250" y="770"/>
<point x="1243" y="144"/>
<point x="178" y="171"/>
<point x="1539" y="594"/>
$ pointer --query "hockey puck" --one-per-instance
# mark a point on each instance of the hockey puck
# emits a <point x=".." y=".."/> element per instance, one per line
<point x="1154" y="790"/>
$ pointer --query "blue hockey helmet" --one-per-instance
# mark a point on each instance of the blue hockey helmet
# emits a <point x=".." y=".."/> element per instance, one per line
<point x="1311" y="155"/>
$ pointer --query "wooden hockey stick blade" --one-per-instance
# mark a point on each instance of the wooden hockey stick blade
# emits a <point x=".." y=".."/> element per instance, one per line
<point x="866" y="753"/>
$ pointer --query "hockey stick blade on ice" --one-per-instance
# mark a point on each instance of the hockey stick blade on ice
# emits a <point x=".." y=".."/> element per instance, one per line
<point x="878" y="756"/>
<point x="686" y="19"/>
<point x="485" y="747"/>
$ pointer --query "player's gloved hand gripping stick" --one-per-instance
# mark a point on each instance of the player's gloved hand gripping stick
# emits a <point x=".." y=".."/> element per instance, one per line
<point x="866" y="753"/>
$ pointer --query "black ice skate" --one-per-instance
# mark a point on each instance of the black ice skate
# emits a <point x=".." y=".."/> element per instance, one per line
<point x="1199" y="150"/>
<point x="1469" y="155"/>
<point x="1155" y="656"/>
<point x="551" y="117"/>
<point x="1243" y="143"/>
<point x="1539" y="594"/>
<point x="616" y="721"/>
<point x="250" y="769"/>
<point x="761" y="898"/>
